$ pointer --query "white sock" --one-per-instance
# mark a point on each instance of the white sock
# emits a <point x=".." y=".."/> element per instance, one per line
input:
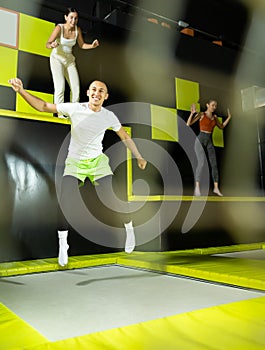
<point x="130" y="238"/>
<point x="63" y="248"/>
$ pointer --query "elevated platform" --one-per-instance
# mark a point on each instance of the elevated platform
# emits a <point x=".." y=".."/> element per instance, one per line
<point x="39" y="117"/>
<point x="151" y="198"/>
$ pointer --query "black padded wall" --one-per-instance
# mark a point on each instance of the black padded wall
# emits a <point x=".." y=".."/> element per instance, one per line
<point x="139" y="70"/>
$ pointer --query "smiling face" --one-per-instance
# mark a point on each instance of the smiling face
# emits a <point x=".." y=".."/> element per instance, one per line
<point x="71" y="19"/>
<point x="97" y="94"/>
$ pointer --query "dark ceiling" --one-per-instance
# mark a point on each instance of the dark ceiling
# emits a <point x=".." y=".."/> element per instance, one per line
<point x="226" y="20"/>
<point x="222" y="19"/>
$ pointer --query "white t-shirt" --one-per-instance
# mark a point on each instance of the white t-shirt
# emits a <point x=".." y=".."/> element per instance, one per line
<point x="87" y="128"/>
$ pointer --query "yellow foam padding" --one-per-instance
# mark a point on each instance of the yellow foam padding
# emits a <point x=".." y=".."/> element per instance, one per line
<point x="237" y="325"/>
<point x="51" y="264"/>
<point x="164" y="123"/>
<point x="41" y="117"/>
<point x="196" y="263"/>
<point x="24" y="107"/>
<point x="8" y="62"/>
<point x="218" y="136"/>
<point x="187" y="92"/>
<point x="16" y="333"/>
<point x="33" y="35"/>
<point x="240" y="272"/>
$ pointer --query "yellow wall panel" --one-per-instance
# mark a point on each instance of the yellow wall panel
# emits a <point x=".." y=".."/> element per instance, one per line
<point x="218" y="136"/>
<point x="8" y="62"/>
<point x="33" y="35"/>
<point x="23" y="106"/>
<point x="187" y="92"/>
<point x="164" y="123"/>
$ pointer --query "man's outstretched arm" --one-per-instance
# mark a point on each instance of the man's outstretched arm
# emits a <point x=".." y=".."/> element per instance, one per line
<point x="129" y="143"/>
<point x="33" y="101"/>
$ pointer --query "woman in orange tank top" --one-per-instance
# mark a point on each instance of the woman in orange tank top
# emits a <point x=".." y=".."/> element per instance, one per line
<point x="208" y="120"/>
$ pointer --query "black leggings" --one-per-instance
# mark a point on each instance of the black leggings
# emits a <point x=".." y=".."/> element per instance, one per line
<point x="99" y="199"/>
<point x="205" y="139"/>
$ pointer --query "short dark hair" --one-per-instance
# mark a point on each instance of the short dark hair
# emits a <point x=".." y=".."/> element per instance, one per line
<point x="92" y="81"/>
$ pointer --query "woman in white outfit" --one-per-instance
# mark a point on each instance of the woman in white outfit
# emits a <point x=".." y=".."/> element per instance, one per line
<point x="62" y="61"/>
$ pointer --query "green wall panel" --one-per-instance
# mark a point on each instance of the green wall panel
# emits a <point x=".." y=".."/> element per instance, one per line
<point x="22" y="106"/>
<point x="218" y="136"/>
<point x="164" y="123"/>
<point x="8" y="62"/>
<point x="187" y="92"/>
<point x="33" y="35"/>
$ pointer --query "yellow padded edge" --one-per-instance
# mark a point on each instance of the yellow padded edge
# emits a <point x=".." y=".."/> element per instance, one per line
<point x="245" y="273"/>
<point x="195" y="263"/>
<point x="51" y="264"/>
<point x="238" y="325"/>
<point x="16" y="333"/>
<point x="158" y="198"/>
<point x="243" y="321"/>
<point x="220" y="250"/>
<point x="40" y="117"/>
<point x="129" y="175"/>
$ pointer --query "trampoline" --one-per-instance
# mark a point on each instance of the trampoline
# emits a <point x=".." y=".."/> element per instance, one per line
<point x="194" y="299"/>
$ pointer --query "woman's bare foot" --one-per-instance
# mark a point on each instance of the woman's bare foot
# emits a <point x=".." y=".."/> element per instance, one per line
<point x="217" y="191"/>
<point x="197" y="192"/>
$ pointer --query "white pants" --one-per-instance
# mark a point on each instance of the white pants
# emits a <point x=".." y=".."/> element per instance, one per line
<point x="63" y="67"/>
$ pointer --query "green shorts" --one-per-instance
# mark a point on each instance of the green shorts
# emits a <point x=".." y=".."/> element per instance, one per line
<point x="93" y="168"/>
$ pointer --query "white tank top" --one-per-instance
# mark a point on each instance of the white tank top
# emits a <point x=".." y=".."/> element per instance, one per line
<point x="66" y="45"/>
